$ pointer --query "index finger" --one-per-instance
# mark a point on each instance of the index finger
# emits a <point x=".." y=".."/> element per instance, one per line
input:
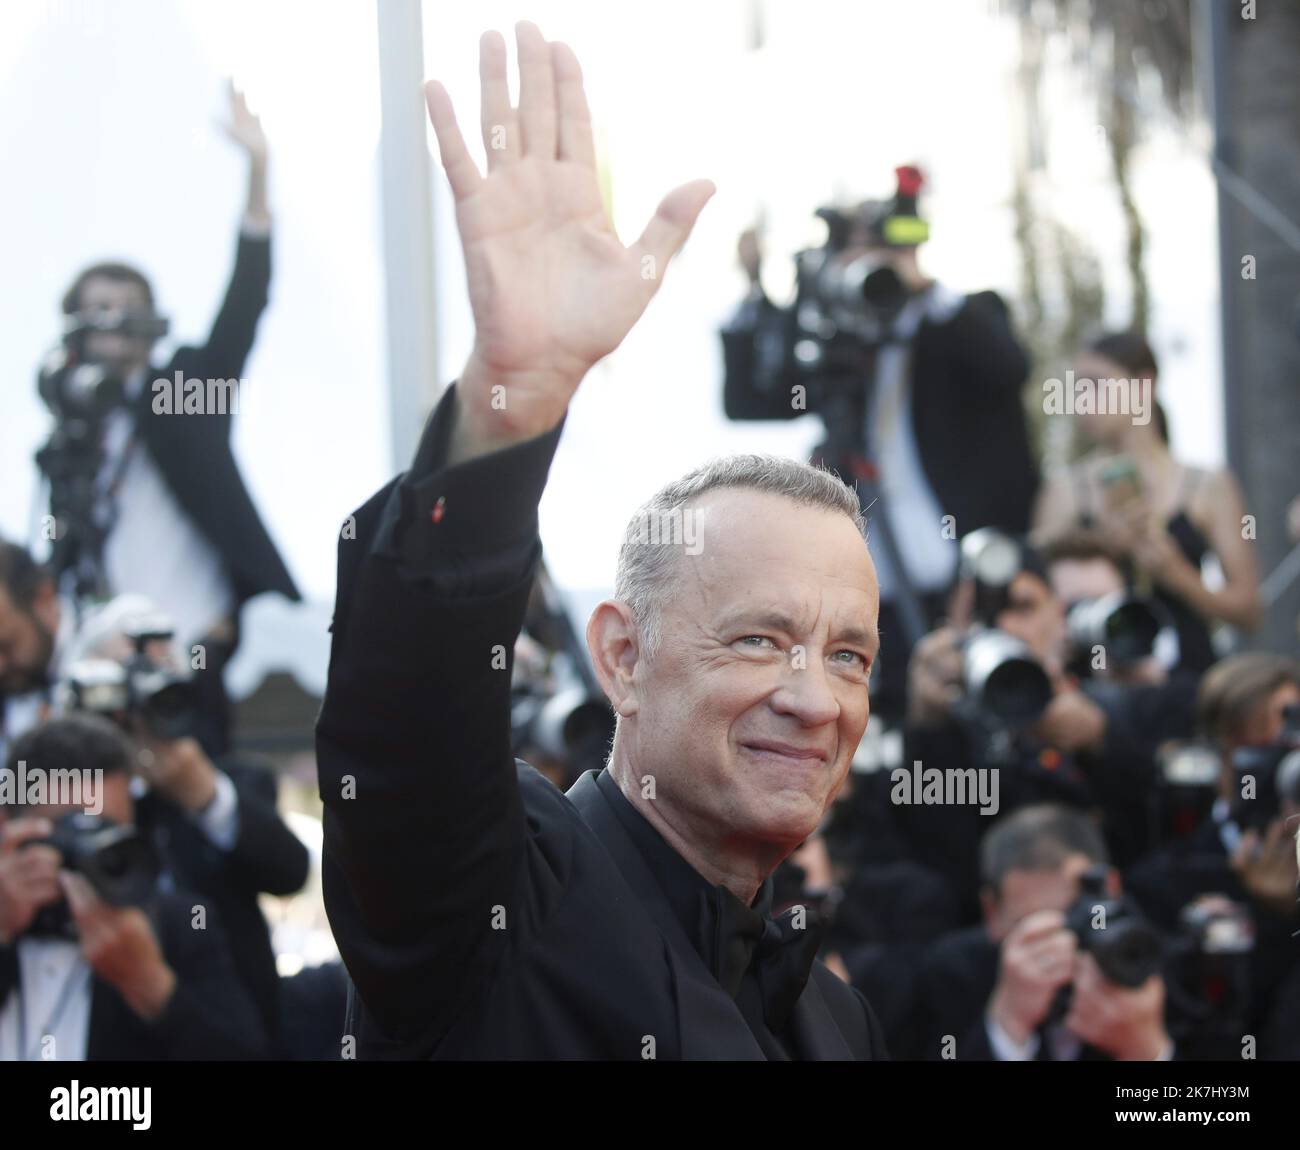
<point x="1038" y="926"/>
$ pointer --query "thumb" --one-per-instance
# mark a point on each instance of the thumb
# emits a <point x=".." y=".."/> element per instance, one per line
<point x="672" y="222"/>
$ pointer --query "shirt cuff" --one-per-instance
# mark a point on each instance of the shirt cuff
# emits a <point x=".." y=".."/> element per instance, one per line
<point x="254" y="228"/>
<point x="219" y="820"/>
<point x="1007" y="1049"/>
<point x="443" y="517"/>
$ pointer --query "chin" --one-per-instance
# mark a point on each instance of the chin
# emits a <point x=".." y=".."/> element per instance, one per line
<point x="788" y="819"/>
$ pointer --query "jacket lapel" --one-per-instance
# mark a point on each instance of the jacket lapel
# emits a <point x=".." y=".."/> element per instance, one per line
<point x="708" y="1020"/>
<point x="816" y="1037"/>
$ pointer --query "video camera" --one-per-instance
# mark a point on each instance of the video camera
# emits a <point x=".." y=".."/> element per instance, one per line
<point x="80" y="393"/>
<point x="848" y="294"/>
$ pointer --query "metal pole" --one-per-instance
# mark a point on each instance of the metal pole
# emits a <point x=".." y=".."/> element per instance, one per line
<point x="407" y="208"/>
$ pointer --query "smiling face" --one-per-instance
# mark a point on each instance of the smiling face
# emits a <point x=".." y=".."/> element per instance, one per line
<point x="751" y="708"/>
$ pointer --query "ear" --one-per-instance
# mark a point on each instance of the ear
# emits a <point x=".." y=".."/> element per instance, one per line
<point x="615" y="650"/>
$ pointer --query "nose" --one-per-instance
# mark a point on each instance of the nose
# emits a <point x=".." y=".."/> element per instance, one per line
<point x="806" y="695"/>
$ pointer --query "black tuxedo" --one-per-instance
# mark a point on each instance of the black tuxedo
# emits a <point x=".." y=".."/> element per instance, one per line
<point x="480" y="912"/>
<point x="210" y="1015"/>
<point x="266" y="857"/>
<point x="193" y="452"/>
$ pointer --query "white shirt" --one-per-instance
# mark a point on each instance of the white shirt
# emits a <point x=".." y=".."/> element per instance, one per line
<point x="154" y="547"/>
<point x="56" y="985"/>
<point x="906" y="496"/>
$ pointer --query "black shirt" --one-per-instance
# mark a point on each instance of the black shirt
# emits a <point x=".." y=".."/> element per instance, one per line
<point x="724" y="931"/>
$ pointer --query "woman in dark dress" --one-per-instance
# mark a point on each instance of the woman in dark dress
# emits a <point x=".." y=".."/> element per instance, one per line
<point x="1166" y="515"/>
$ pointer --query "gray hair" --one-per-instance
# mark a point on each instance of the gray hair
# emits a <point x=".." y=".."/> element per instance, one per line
<point x="645" y="572"/>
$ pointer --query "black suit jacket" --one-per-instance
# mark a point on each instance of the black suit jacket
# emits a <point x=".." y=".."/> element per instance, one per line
<point x="966" y="373"/>
<point x="480" y="912"/>
<point x="267" y="857"/>
<point x="210" y="1015"/>
<point x="193" y="452"/>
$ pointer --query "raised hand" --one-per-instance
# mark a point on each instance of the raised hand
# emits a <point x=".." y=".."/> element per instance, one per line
<point x="552" y="288"/>
<point x="244" y="128"/>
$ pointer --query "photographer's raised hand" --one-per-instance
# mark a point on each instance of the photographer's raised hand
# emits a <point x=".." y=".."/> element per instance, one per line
<point x="244" y="129"/>
<point x="552" y="288"/>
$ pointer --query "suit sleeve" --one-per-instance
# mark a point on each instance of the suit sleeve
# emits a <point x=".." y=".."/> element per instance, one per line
<point x="267" y="856"/>
<point x="231" y="338"/>
<point x="211" y="1014"/>
<point x="984" y="349"/>
<point x="424" y="829"/>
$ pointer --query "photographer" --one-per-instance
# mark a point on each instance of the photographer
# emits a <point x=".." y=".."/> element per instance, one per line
<point x="125" y="475"/>
<point x="919" y="389"/>
<point x="988" y="700"/>
<point x="215" y="823"/>
<point x="1004" y="695"/>
<point x="1244" y="849"/>
<point x="87" y="970"/>
<point x="998" y="991"/>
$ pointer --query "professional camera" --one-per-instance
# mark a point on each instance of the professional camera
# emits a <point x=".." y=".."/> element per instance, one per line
<point x="1003" y="679"/>
<point x="1208" y="982"/>
<point x="1127" y="628"/>
<point x="118" y="862"/>
<point x="1267" y="776"/>
<point x="1187" y="784"/>
<point x="558" y="712"/>
<point x="162" y="699"/>
<point x="1125" y="946"/>
<point x="559" y="717"/>
<point x="80" y="393"/>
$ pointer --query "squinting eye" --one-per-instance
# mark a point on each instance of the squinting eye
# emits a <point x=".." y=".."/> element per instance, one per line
<point x="862" y="659"/>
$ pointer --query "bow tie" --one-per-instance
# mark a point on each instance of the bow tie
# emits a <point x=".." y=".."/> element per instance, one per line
<point x="780" y="950"/>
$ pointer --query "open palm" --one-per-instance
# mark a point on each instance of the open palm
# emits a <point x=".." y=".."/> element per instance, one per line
<point x="552" y="288"/>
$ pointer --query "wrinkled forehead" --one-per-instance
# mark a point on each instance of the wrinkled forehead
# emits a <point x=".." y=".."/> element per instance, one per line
<point x="757" y="550"/>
